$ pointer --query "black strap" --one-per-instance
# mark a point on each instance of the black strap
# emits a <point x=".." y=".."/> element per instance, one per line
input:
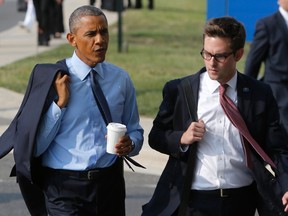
<point x="187" y="89"/>
<point x="105" y="112"/>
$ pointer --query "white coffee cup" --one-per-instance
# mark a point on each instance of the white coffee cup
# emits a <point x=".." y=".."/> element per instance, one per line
<point x="114" y="132"/>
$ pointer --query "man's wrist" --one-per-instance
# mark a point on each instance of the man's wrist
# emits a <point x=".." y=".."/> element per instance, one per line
<point x="132" y="146"/>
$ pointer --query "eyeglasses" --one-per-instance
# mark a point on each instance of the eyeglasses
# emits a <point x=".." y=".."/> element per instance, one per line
<point x="221" y="57"/>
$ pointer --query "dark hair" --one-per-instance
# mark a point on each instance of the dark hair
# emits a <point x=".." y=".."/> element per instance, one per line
<point x="226" y="27"/>
<point x="86" y="10"/>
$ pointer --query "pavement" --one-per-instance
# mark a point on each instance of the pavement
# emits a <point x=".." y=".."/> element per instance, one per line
<point x="17" y="43"/>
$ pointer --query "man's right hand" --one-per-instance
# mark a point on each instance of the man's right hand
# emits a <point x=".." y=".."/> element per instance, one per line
<point x="194" y="133"/>
<point x="61" y="85"/>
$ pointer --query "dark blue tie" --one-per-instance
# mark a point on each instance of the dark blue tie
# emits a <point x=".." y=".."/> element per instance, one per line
<point x="105" y="111"/>
<point x="100" y="98"/>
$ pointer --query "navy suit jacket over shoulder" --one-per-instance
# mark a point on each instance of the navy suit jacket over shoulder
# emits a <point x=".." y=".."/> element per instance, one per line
<point x="21" y="133"/>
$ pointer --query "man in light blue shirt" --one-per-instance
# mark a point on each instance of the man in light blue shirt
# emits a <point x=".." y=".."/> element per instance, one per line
<point x="80" y="177"/>
<point x="73" y="137"/>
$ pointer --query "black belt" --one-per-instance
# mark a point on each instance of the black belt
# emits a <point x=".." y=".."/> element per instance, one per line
<point x="92" y="174"/>
<point x="226" y="192"/>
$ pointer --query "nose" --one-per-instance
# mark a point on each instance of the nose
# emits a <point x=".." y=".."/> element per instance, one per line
<point x="213" y="62"/>
<point x="99" y="38"/>
<point x="213" y="59"/>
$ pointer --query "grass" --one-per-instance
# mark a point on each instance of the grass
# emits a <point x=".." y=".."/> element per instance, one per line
<point x="158" y="45"/>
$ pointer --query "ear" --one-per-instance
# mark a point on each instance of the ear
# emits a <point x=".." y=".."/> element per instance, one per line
<point x="239" y="54"/>
<point x="71" y="39"/>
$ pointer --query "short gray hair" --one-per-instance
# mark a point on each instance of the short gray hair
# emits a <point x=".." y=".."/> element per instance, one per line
<point x="86" y="10"/>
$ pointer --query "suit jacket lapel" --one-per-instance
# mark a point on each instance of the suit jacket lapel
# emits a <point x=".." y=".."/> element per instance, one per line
<point x="195" y="87"/>
<point x="194" y="83"/>
<point x="244" y="94"/>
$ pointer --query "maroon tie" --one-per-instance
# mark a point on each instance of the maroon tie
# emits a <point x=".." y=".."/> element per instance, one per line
<point x="234" y="115"/>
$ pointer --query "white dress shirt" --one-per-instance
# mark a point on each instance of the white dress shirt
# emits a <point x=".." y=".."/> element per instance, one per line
<point x="221" y="161"/>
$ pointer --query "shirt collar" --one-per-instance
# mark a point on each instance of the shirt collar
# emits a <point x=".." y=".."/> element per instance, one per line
<point x="99" y="69"/>
<point x="213" y="85"/>
<point x="81" y="69"/>
<point x="233" y="82"/>
<point x="284" y="13"/>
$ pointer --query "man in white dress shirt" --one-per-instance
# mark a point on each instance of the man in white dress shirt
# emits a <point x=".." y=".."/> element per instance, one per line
<point x="227" y="173"/>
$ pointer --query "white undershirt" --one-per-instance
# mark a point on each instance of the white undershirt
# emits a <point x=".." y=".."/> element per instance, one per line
<point x="221" y="162"/>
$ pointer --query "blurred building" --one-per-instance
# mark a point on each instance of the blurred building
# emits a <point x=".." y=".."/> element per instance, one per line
<point x="246" y="11"/>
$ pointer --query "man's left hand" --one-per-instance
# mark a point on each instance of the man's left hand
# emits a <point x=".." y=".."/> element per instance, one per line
<point x="124" y="146"/>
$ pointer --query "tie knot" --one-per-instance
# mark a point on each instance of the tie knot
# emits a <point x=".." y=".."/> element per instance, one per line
<point x="223" y="88"/>
<point x="92" y="72"/>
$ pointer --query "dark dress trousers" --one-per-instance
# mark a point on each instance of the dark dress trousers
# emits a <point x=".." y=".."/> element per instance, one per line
<point x="258" y="108"/>
<point x="270" y="46"/>
<point x="21" y="133"/>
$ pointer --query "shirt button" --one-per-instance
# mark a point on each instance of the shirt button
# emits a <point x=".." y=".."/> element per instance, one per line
<point x="57" y="115"/>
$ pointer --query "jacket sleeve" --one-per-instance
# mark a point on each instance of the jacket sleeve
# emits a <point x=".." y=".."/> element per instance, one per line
<point x="258" y="50"/>
<point x="267" y="131"/>
<point x="277" y="142"/>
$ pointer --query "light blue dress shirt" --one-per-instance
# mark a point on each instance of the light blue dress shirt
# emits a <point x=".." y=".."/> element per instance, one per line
<point x="73" y="138"/>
